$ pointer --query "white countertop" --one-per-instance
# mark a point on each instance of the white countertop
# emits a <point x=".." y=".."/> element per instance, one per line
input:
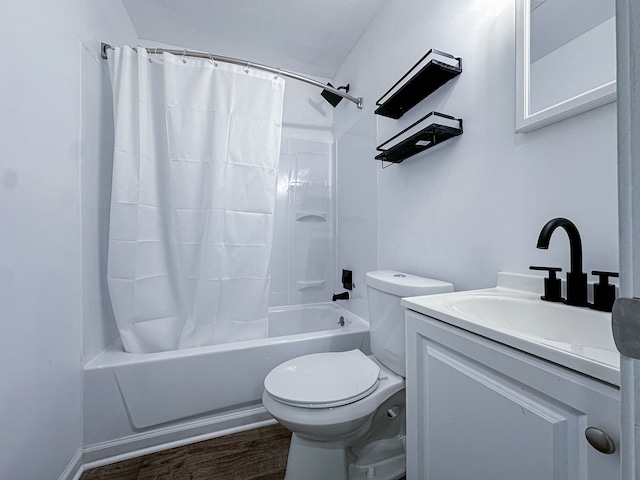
<point x="577" y="338"/>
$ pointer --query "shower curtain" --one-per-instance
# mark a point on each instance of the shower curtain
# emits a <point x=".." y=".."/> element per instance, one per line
<point x="193" y="197"/>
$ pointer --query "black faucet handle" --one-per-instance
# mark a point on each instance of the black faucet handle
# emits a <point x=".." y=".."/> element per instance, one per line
<point x="552" y="285"/>
<point x="604" y="276"/>
<point x="604" y="294"/>
<point x="552" y="270"/>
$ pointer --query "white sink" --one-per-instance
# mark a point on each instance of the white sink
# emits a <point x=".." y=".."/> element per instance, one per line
<point x="578" y="338"/>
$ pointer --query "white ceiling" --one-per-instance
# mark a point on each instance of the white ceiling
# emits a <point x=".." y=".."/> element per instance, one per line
<point x="312" y="37"/>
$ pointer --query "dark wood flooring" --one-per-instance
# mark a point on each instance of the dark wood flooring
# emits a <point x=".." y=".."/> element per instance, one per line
<point x="259" y="454"/>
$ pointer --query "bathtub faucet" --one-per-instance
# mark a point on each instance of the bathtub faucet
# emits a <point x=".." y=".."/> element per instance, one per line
<point x="340" y="296"/>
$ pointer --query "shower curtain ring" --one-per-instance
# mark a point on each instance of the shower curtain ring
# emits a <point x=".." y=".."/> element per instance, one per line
<point x="184" y="53"/>
<point x="246" y="70"/>
<point x="278" y="74"/>
<point x="213" y="60"/>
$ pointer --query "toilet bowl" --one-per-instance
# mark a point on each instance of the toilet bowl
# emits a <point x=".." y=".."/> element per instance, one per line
<point x="351" y="398"/>
<point x="346" y="409"/>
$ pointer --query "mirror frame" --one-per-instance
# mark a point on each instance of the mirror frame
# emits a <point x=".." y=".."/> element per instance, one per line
<point x="527" y="121"/>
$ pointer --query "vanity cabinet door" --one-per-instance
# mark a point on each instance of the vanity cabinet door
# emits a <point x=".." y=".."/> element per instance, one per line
<point x="477" y="409"/>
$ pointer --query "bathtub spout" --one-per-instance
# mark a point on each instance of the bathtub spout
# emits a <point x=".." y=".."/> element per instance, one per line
<point x="340" y="296"/>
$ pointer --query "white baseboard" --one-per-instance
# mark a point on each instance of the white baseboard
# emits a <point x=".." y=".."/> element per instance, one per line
<point x="105" y="453"/>
<point x="74" y="469"/>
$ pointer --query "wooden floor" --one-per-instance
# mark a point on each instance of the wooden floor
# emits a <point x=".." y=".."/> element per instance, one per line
<point x="259" y="454"/>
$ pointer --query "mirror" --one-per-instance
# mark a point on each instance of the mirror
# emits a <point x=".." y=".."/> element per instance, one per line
<point x="565" y="59"/>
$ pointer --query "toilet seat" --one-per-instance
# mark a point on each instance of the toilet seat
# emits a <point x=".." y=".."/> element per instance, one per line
<point x="323" y="380"/>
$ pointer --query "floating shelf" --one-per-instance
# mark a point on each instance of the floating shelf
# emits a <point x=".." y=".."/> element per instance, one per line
<point x="427" y="132"/>
<point x="432" y="71"/>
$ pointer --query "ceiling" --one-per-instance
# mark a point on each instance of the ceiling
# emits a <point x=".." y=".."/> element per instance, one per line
<point x="312" y="37"/>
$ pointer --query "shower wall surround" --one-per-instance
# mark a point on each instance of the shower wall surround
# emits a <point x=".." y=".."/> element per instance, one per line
<point x="303" y="231"/>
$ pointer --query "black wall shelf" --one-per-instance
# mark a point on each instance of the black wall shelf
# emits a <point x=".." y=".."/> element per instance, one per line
<point x="431" y="72"/>
<point x="427" y="132"/>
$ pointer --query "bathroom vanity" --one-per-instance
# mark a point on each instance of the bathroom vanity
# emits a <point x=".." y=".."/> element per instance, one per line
<point x="502" y="385"/>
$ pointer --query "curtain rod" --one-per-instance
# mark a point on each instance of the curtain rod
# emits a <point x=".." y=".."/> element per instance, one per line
<point x="187" y="53"/>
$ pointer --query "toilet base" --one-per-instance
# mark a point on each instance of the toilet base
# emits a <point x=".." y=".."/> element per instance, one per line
<point x="378" y="452"/>
<point x="382" y="460"/>
<point x="313" y="460"/>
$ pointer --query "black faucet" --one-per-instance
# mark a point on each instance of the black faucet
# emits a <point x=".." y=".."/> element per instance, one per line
<point x="340" y="296"/>
<point x="576" y="278"/>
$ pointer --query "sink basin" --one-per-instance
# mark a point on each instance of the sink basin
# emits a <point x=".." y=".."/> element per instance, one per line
<point x="533" y="317"/>
<point x="578" y="338"/>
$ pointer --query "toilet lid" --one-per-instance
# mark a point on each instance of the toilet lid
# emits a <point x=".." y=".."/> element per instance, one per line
<point x="323" y="380"/>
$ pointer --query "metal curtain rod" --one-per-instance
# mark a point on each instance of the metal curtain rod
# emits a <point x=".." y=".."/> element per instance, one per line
<point x="358" y="101"/>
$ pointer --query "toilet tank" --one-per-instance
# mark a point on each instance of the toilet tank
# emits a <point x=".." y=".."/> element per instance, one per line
<point x="385" y="288"/>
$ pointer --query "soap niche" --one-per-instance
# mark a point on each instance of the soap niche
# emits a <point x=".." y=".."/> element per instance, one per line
<point x="312" y="194"/>
<point x="311" y="217"/>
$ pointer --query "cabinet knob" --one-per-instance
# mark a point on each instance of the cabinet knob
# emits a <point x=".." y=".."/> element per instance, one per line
<point x="600" y="440"/>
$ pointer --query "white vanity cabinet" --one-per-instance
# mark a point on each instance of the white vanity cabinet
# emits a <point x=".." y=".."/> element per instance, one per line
<point x="480" y="410"/>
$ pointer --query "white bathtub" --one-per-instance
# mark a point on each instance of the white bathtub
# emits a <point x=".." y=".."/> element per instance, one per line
<point x="156" y="388"/>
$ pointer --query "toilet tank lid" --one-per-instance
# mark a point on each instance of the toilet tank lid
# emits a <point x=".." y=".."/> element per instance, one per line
<point x="404" y="284"/>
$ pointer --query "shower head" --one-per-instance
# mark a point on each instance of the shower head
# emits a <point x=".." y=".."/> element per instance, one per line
<point x="331" y="97"/>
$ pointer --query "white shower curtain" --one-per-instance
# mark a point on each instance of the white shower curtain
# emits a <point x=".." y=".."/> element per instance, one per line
<point x="193" y="197"/>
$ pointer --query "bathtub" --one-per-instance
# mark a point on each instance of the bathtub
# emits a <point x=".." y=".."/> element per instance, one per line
<point x="156" y="388"/>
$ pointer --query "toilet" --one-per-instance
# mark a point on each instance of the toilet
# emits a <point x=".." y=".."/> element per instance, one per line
<point x="347" y="409"/>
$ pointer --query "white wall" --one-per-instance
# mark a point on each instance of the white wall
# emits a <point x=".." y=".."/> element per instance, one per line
<point x="44" y="150"/>
<point x="474" y="206"/>
<point x="356" y="222"/>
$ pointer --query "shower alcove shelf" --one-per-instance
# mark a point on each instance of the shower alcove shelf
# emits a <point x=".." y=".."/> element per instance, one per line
<point x="311" y="217"/>
<point x="304" y="284"/>
<point x="431" y="72"/>
<point x="429" y="131"/>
